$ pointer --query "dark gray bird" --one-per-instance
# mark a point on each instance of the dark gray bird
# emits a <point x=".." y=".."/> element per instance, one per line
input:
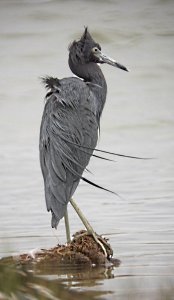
<point x="70" y="123"/>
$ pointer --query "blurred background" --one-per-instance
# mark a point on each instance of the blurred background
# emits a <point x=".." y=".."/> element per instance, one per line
<point x="138" y="119"/>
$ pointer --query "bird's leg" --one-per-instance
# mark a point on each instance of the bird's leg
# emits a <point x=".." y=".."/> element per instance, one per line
<point x="89" y="228"/>
<point x="67" y="227"/>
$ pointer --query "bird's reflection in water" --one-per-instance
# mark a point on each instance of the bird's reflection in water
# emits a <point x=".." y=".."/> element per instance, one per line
<point x="52" y="283"/>
<point x="69" y="272"/>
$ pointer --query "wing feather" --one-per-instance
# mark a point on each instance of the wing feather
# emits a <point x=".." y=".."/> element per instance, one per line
<point x="69" y="113"/>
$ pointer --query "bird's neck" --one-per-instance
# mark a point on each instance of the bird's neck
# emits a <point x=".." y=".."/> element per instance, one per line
<point x="98" y="86"/>
<point x="93" y="76"/>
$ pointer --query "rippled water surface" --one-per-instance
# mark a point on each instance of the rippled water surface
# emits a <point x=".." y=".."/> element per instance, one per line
<point x="138" y="119"/>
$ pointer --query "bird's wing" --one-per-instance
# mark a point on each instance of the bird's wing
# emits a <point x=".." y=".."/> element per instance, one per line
<point x="68" y="120"/>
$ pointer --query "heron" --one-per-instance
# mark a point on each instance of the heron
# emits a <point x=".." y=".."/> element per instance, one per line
<point x="70" y="127"/>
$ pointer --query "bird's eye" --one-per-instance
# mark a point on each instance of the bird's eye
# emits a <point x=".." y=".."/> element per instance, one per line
<point x="95" y="49"/>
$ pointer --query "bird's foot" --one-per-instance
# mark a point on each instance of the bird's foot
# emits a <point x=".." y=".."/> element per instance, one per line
<point x="102" y="242"/>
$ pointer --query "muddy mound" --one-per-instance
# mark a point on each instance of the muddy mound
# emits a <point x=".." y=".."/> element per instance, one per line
<point x="83" y="250"/>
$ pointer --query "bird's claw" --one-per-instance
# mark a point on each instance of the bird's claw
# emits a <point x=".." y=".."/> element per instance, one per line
<point x="102" y="242"/>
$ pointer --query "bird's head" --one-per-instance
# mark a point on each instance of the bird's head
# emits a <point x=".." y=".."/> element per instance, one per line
<point x="86" y="50"/>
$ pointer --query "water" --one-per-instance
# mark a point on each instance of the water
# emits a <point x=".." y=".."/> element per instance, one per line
<point x="137" y="120"/>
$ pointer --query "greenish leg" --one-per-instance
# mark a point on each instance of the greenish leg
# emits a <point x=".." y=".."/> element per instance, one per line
<point x="67" y="227"/>
<point x="87" y="225"/>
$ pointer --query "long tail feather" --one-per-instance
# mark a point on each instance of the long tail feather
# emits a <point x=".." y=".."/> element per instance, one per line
<point x="101" y="157"/>
<point x="103" y="151"/>
<point x="98" y="186"/>
<point x="88" y="181"/>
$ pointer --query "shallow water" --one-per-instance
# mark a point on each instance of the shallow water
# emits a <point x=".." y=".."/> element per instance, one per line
<point x="137" y="120"/>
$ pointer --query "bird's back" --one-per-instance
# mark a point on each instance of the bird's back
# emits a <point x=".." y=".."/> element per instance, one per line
<point x="69" y="124"/>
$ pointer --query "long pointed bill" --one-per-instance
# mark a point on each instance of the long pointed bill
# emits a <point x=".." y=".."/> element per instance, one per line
<point x="106" y="59"/>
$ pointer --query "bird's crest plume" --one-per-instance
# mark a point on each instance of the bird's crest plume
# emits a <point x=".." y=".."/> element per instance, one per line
<point x="85" y="38"/>
<point x="86" y="35"/>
